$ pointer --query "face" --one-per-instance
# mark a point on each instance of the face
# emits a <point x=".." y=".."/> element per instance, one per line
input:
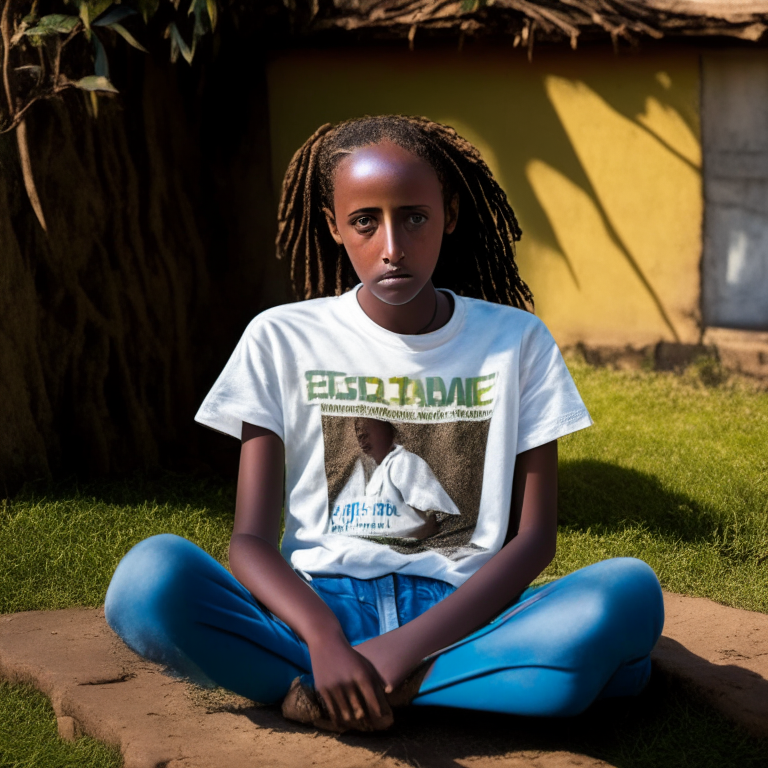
<point x="374" y="437"/>
<point x="389" y="213"/>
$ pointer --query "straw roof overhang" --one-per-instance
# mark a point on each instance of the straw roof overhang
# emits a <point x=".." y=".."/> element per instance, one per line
<point x="570" y="21"/>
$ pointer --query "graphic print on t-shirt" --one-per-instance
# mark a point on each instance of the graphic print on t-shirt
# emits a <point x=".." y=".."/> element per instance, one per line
<point x="404" y="457"/>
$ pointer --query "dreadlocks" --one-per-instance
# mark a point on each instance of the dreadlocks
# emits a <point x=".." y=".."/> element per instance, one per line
<point x="484" y="237"/>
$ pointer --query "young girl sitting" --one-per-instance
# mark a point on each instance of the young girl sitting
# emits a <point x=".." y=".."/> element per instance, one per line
<point x="479" y="392"/>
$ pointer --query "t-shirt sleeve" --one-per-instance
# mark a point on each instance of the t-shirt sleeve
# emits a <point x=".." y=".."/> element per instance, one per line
<point x="247" y="389"/>
<point x="550" y="404"/>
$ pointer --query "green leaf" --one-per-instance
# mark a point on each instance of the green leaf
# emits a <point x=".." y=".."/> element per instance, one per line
<point x="97" y="7"/>
<point x="114" y="15"/>
<point x="100" y="63"/>
<point x="178" y="45"/>
<point x="54" y="24"/>
<point x="85" y="17"/>
<point x="39" y="32"/>
<point x="212" y="12"/>
<point x="148" y="8"/>
<point x="95" y="83"/>
<point x="126" y="35"/>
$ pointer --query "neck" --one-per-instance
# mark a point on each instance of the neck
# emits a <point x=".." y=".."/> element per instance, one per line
<point x="426" y="312"/>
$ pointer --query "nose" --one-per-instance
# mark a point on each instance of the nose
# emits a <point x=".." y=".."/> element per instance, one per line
<point x="393" y="250"/>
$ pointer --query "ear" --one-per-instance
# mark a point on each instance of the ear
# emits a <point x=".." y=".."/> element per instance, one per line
<point x="451" y="214"/>
<point x="331" y="219"/>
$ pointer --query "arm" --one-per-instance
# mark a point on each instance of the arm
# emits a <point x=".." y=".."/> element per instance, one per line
<point x="495" y="585"/>
<point x="347" y="682"/>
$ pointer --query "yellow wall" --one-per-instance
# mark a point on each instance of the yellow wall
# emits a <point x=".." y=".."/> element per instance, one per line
<point x="599" y="155"/>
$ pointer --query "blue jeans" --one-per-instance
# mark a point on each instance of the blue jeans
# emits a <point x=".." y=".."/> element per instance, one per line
<point x="557" y="649"/>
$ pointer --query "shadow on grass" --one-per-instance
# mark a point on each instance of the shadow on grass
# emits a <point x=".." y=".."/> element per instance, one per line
<point x="213" y="493"/>
<point x="593" y="494"/>
<point x="605" y="497"/>
<point x="667" y="726"/>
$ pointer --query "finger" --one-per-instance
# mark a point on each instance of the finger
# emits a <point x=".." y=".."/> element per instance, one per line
<point x="356" y="704"/>
<point x="344" y="709"/>
<point x="375" y="701"/>
<point x="329" y="705"/>
<point x="378" y="710"/>
<point x="381" y="699"/>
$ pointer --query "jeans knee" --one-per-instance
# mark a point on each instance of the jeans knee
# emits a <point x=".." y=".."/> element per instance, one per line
<point x="150" y="576"/>
<point x="630" y="583"/>
<point x="624" y="598"/>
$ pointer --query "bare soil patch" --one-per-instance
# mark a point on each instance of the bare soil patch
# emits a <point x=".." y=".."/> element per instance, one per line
<point x="722" y="652"/>
<point x="99" y="687"/>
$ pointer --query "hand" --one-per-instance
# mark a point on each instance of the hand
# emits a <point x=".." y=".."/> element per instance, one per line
<point x="349" y="685"/>
<point x="391" y="655"/>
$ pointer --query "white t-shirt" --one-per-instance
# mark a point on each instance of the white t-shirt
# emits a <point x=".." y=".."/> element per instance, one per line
<point x="446" y="413"/>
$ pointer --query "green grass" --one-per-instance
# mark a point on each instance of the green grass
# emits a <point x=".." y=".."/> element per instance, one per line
<point x="60" y="543"/>
<point x="29" y="737"/>
<point x="674" y="472"/>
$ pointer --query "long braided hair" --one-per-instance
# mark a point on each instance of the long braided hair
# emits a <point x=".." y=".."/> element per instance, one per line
<point x="477" y="259"/>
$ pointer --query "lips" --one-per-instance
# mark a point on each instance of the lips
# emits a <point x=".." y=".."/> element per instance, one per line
<point x="394" y="275"/>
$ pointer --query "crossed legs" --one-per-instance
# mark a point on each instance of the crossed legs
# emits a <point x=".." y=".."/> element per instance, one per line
<point x="555" y="651"/>
<point x="561" y="646"/>
<point x="172" y="603"/>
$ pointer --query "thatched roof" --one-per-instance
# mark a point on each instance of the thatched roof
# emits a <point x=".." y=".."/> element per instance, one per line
<point x="544" y="20"/>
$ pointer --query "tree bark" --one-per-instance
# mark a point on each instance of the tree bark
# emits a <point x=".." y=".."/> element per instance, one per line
<point x="159" y="249"/>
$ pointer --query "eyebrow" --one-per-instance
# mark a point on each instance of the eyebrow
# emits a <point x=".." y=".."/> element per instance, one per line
<point x="374" y="209"/>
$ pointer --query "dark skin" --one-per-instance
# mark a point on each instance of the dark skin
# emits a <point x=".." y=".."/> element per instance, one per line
<point x="374" y="437"/>
<point x="390" y="215"/>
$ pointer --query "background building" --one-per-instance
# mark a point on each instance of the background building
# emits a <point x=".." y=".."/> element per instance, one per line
<point x="631" y="138"/>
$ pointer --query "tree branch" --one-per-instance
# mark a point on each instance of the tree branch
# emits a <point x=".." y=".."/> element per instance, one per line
<point x="26" y="170"/>
<point x="5" y="33"/>
<point x="18" y="117"/>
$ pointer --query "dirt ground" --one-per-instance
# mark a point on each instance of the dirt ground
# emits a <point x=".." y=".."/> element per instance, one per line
<point x="99" y="687"/>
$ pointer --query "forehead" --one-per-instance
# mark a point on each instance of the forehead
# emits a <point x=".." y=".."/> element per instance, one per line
<point x="384" y="168"/>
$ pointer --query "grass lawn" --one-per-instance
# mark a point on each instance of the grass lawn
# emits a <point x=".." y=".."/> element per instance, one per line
<point x="673" y="472"/>
<point x="29" y="738"/>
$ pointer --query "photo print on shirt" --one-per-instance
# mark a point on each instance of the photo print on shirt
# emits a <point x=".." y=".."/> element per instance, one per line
<point x="404" y="457"/>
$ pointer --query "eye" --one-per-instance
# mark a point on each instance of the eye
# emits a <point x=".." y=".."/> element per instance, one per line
<point x="363" y="223"/>
<point x="416" y="219"/>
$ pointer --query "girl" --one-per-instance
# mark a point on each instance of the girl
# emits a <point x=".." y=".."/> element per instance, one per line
<point x="472" y="384"/>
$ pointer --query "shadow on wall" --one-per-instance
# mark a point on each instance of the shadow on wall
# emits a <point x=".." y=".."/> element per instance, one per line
<point x="598" y="153"/>
<point x="604" y="497"/>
